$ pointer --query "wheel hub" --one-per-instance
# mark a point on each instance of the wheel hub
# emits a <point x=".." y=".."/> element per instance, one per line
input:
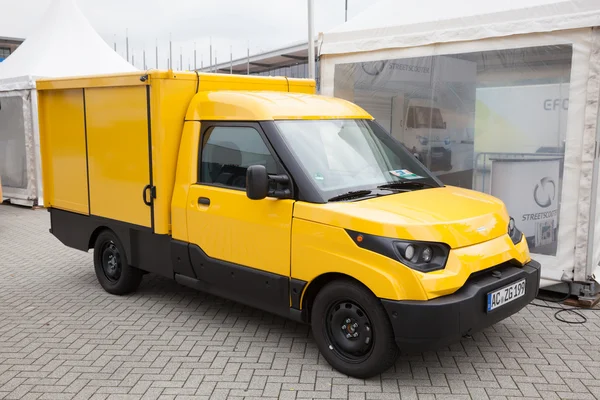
<point x="350" y="327"/>
<point x="349" y="330"/>
<point x="111" y="262"/>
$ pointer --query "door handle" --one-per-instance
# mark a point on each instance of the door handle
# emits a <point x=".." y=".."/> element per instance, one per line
<point x="149" y="192"/>
<point x="205" y="201"/>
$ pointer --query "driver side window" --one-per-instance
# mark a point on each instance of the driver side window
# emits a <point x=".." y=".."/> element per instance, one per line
<point x="228" y="151"/>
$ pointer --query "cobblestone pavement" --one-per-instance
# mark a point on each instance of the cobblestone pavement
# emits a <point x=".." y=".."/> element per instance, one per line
<point x="63" y="337"/>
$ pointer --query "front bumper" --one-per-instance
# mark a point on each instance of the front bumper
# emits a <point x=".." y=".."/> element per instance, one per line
<point x="425" y="325"/>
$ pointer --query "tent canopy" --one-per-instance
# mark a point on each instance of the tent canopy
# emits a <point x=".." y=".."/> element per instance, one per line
<point x="64" y="44"/>
<point x="396" y="24"/>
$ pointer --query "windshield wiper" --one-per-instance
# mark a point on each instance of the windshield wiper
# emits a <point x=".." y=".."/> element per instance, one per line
<point x="351" y="195"/>
<point x="405" y="184"/>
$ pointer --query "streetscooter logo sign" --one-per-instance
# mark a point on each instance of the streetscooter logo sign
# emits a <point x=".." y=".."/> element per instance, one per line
<point x="544" y="192"/>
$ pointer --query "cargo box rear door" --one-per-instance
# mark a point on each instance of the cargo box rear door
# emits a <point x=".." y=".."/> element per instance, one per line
<point x="119" y="153"/>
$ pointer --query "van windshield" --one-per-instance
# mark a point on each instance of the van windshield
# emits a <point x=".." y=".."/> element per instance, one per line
<point x="351" y="155"/>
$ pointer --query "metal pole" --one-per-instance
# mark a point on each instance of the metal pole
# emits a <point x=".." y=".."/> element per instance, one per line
<point x="230" y="60"/>
<point x="216" y="61"/>
<point x="311" y="40"/>
<point x="115" y="42"/>
<point x="145" y="67"/>
<point x="195" y="58"/>
<point x="210" y="57"/>
<point x="346" y="17"/>
<point x="170" y="51"/>
<point x="132" y="57"/>
<point x="127" y="43"/>
<point x="181" y="58"/>
<point x="248" y="63"/>
<point x="201" y="61"/>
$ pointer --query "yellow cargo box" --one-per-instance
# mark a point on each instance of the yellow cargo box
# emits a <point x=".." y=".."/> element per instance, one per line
<point x="97" y="129"/>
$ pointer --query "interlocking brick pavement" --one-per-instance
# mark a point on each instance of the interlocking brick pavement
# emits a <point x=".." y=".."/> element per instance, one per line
<point x="63" y="337"/>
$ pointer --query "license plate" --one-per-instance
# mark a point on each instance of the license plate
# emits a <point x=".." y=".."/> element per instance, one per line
<point x="505" y="295"/>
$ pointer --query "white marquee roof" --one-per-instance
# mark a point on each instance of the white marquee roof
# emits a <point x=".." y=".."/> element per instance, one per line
<point x="64" y="44"/>
<point x="394" y="24"/>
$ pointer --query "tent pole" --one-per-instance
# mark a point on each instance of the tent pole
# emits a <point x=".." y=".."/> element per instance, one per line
<point x="311" y="40"/>
<point x="170" y="51"/>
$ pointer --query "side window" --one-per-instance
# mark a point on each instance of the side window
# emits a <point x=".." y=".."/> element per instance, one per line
<point x="227" y="152"/>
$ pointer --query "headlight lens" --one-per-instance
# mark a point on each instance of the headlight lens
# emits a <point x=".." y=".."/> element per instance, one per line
<point x="409" y="252"/>
<point x="420" y="256"/>
<point x="427" y="254"/>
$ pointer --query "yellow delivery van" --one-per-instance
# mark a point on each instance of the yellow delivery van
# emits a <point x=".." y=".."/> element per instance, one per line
<point x="260" y="191"/>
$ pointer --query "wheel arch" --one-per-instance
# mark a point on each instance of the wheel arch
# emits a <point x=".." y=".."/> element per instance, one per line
<point x="123" y="235"/>
<point x="314" y="287"/>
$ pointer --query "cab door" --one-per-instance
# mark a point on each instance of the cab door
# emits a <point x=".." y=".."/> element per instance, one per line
<point x="240" y="248"/>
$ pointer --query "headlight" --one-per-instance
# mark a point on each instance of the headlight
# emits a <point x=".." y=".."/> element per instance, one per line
<point x="420" y="256"/>
<point x="515" y="234"/>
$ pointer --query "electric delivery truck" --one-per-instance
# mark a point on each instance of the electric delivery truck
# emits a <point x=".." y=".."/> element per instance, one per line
<point x="258" y="190"/>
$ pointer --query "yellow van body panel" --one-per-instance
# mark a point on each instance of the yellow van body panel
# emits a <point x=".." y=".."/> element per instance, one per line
<point x="467" y="260"/>
<point x="270" y="105"/>
<point x="235" y="229"/>
<point x="117" y="136"/>
<point x="187" y="171"/>
<point x="451" y="215"/>
<point x="63" y="148"/>
<point x="318" y="249"/>
<point x="447" y="215"/>
<point x="169" y="99"/>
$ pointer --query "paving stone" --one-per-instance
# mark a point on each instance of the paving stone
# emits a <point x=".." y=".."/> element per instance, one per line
<point x="63" y="337"/>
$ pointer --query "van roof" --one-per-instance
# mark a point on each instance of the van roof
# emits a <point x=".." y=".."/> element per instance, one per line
<point x="229" y="97"/>
<point x="270" y="105"/>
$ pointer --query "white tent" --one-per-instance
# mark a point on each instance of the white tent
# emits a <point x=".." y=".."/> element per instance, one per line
<point x="63" y="44"/>
<point x="496" y="96"/>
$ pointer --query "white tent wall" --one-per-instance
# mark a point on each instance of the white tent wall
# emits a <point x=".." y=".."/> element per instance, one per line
<point x="19" y="142"/>
<point x="569" y="261"/>
<point x="63" y="31"/>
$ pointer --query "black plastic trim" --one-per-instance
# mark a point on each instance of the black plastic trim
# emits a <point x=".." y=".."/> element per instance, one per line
<point x="180" y="258"/>
<point x="387" y="246"/>
<point x="145" y="249"/>
<point x="256" y="288"/>
<point x="297" y="287"/>
<point x="428" y="325"/>
<point x="184" y="262"/>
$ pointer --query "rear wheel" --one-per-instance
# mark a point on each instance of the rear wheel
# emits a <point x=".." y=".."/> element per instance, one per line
<point x="352" y="330"/>
<point x="113" y="271"/>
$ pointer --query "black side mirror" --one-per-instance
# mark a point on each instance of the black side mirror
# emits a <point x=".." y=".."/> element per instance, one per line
<point x="257" y="182"/>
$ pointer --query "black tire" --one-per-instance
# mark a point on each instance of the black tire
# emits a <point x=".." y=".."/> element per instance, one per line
<point x="112" y="268"/>
<point x="373" y="350"/>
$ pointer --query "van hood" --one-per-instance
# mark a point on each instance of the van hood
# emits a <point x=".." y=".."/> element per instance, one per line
<point x="451" y="215"/>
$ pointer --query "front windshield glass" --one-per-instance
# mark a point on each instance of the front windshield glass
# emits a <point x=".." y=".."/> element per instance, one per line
<point x="347" y="155"/>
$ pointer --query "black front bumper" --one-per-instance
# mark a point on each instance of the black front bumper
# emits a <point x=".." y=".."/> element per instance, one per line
<point x="426" y="325"/>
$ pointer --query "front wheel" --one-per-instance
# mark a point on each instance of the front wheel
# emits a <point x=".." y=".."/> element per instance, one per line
<point x="113" y="271"/>
<point x="352" y="330"/>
